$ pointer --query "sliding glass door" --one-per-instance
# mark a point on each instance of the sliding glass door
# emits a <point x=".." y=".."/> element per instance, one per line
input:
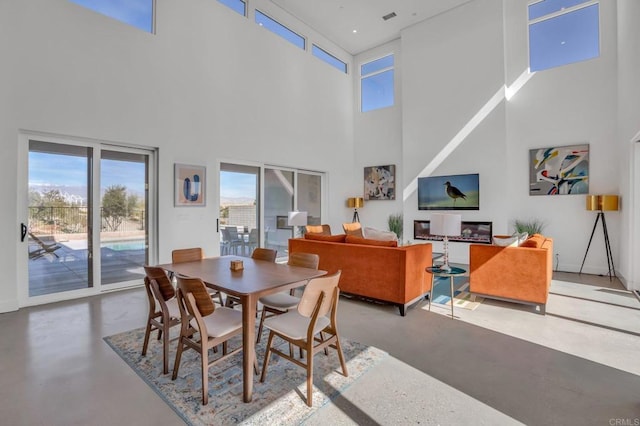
<point x="87" y="221"/>
<point x="255" y="202"/>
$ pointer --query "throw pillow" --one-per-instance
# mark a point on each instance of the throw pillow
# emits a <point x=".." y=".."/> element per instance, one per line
<point x="377" y="234"/>
<point x="329" y="238"/>
<point x="506" y="240"/>
<point x="365" y="241"/>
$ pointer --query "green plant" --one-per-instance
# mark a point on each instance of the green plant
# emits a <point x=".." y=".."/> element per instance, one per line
<point x="395" y="224"/>
<point x="531" y="226"/>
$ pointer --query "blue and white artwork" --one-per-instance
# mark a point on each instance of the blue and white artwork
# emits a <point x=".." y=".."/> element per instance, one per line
<point x="189" y="185"/>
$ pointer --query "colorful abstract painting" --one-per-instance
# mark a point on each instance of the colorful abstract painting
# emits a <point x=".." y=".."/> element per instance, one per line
<point x="559" y="171"/>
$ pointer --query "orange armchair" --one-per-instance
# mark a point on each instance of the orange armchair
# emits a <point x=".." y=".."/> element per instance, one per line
<point x="515" y="274"/>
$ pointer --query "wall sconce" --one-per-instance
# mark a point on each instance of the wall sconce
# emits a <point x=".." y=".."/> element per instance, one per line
<point x="602" y="203"/>
<point x="355" y="203"/>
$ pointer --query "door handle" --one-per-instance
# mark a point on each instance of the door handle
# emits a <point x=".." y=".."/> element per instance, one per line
<point x="23" y="232"/>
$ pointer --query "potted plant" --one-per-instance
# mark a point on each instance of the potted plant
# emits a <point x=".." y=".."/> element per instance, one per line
<point x="395" y="224"/>
<point x="531" y="226"/>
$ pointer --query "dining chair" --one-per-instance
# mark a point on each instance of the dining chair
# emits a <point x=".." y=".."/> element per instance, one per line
<point x="191" y="255"/>
<point x="354" y="229"/>
<point x="318" y="229"/>
<point x="308" y="327"/>
<point x="235" y="240"/>
<point x="259" y="253"/>
<point x="164" y="312"/>
<point x="280" y="303"/>
<point x="204" y="327"/>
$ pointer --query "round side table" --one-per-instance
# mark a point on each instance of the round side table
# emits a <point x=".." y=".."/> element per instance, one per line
<point x="435" y="271"/>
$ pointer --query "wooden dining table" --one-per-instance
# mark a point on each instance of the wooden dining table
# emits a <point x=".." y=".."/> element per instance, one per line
<point x="258" y="278"/>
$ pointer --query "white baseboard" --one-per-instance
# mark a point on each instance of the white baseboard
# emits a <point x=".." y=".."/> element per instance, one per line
<point x="8" y="305"/>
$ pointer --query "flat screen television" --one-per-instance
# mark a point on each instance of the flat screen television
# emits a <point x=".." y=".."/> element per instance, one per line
<point x="453" y="192"/>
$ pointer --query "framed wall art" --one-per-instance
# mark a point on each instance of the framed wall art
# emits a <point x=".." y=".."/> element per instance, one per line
<point x="560" y="170"/>
<point x="472" y="232"/>
<point x="453" y="192"/>
<point x="190" y="185"/>
<point x="380" y="182"/>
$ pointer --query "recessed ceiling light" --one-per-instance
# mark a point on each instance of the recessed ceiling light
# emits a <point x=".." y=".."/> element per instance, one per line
<point x="355" y="31"/>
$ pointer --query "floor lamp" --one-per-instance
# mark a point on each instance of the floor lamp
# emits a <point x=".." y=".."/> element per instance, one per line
<point x="446" y="225"/>
<point x="602" y="203"/>
<point x="355" y="203"/>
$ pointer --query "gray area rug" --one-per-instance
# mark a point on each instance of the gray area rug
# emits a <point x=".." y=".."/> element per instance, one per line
<point x="279" y="400"/>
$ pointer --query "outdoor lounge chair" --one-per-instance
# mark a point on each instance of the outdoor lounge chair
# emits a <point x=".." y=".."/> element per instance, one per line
<point x="43" y="248"/>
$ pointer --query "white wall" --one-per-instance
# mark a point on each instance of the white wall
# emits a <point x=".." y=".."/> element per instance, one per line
<point x="209" y="85"/>
<point x="378" y="140"/>
<point x="452" y="65"/>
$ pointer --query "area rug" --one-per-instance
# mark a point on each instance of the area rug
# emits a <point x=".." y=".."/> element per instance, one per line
<point x="279" y="400"/>
<point x="461" y="297"/>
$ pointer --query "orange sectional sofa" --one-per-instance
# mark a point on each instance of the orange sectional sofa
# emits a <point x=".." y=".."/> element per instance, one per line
<point x="390" y="274"/>
<point x="515" y="274"/>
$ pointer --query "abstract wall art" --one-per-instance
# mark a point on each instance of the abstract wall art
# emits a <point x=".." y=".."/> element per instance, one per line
<point x="560" y="170"/>
<point x="380" y="182"/>
<point x="190" y="187"/>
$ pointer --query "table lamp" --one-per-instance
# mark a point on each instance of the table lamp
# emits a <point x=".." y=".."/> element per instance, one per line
<point x="602" y="203"/>
<point x="355" y="203"/>
<point x="446" y="225"/>
<point x="297" y="218"/>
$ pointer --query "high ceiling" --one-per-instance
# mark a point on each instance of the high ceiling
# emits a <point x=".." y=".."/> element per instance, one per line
<point x="338" y="19"/>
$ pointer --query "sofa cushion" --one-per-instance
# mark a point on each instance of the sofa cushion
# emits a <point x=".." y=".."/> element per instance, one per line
<point x="330" y="238"/>
<point x="377" y="234"/>
<point x="366" y="241"/>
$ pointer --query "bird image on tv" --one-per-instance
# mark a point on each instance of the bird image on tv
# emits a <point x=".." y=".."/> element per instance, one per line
<point x="454" y="192"/>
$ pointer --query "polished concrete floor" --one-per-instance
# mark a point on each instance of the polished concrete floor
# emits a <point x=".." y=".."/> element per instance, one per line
<point x="499" y="364"/>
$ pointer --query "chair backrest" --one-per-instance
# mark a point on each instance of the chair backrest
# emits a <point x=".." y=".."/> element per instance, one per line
<point x="264" y="254"/>
<point x="254" y="235"/>
<point x="160" y="277"/>
<point x="354" y="229"/>
<point x="318" y="229"/>
<point x="305" y="260"/>
<point x="315" y="287"/>
<point x="196" y="288"/>
<point x="232" y="231"/>
<point x="186" y="255"/>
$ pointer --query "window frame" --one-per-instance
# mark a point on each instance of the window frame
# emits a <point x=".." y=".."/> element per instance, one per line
<point x="553" y="15"/>
<point x="258" y="12"/>
<point x="315" y="47"/>
<point x="377" y="72"/>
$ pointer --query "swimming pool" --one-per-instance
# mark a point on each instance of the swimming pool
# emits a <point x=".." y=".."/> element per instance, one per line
<point x="124" y="245"/>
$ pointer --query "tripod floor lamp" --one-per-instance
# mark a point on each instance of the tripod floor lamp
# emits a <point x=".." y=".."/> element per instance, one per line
<point x="355" y="203"/>
<point x="602" y="203"/>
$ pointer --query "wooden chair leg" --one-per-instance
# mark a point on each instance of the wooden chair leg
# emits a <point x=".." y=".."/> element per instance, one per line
<point x="176" y="364"/>
<point x="310" y="374"/>
<point x="267" y="355"/>
<point x="341" y="356"/>
<point x="147" y="333"/>
<point x="165" y="350"/>
<point x="262" y="316"/>
<point x="205" y="374"/>
<point x="326" y="350"/>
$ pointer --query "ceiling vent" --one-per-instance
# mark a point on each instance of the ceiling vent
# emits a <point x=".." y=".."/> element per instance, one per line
<point x="389" y="16"/>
